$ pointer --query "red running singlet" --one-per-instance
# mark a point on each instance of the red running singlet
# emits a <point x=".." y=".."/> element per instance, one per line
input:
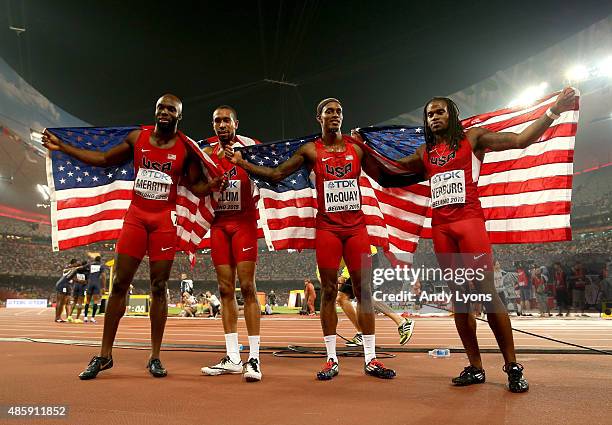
<point x="337" y="183"/>
<point x="453" y="178"/>
<point x="157" y="172"/>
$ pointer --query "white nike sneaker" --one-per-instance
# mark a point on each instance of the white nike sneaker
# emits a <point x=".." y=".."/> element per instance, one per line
<point x="225" y="366"/>
<point x="85" y="319"/>
<point x="92" y="320"/>
<point x="252" y="371"/>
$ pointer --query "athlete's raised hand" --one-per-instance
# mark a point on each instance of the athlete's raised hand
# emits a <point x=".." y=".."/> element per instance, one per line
<point x="231" y="155"/>
<point x="565" y="101"/>
<point x="51" y="141"/>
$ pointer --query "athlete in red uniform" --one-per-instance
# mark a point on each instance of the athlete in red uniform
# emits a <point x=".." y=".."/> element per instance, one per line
<point x="451" y="160"/>
<point x="233" y="248"/>
<point x="160" y="160"/>
<point x="341" y="231"/>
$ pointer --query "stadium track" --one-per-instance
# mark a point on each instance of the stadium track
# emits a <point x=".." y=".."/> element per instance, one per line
<point x="565" y="388"/>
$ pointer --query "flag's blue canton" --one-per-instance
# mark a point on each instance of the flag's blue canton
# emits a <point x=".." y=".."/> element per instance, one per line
<point x="272" y="155"/>
<point x="394" y="141"/>
<point x="69" y="173"/>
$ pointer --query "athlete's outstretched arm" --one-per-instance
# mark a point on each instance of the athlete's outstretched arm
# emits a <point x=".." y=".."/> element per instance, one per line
<point x="305" y="153"/>
<point x="118" y="155"/>
<point x="483" y="139"/>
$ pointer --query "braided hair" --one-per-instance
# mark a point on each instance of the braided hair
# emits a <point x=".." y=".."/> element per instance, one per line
<point x="454" y="133"/>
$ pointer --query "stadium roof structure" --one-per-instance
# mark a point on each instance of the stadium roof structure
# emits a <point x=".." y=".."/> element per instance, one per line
<point x="105" y="63"/>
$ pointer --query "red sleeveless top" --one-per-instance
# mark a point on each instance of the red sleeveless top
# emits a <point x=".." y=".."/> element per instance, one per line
<point x="337" y="183"/>
<point x="235" y="202"/>
<point x="157" y="172"/>
<point x="453" y="178"/>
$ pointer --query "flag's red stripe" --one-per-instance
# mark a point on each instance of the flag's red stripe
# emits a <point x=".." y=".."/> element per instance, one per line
<point x="525" y="211"/>
<point x="551" y="157"/>
<point x="291" y="221"/>
<point x="87" y="239"/>
<point x="531" y="236"/>
<point x="94" y="200"/>
<point x="293" y="243"/>
<point x="71" y="223"/>
<point x="533" y="185"/>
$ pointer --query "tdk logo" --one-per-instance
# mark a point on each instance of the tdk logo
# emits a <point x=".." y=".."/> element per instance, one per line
<point x="456" y="174"/>
<point x="339" y="171"/>
<point x="341" y="184"/>
<point x="232" y="184"/>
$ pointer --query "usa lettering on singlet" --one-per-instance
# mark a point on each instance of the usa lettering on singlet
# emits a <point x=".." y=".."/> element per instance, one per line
<point x="448" y="188"/>
<point x="230" y="197"/>
<point x="341" y="195"/>
<point x="152" y="184"/>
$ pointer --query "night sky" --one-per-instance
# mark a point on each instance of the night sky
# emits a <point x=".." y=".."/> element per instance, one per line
<point x="107" y="62"/>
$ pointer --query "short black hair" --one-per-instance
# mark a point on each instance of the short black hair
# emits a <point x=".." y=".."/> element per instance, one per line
<point x="324" y="102"/>
<point x="229" y="108"/>
<point x="98" y="258"/>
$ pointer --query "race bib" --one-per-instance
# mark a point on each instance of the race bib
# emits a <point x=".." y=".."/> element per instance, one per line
<point x="80" y="276"/>
<point x="448" y="188"/>
<point x="230" y="197"/>
<point x="94" y="268"/>
<point x="341" y="195"/>
<point x="152" y="184"/>
<point x="64" y="290"/>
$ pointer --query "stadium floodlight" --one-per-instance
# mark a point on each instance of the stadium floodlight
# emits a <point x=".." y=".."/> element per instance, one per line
<point x="530" y="95"/>
<point x="577" y="73"/>
<point x="604" y="68"/>
<point x="43" y="189"/>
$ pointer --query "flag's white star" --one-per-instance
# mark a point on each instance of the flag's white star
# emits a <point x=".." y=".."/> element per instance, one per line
<point x="402" y="129"/>
<point x="89" y="143"/>
<point x="79" y="179"/>
<point x="266" y="157"/>
<point x="77" y="168"/>
<point x="123" y="172"/>
<point x="68" y="163"/>
<point x="293" y="181"/>
<point x="256" y="181"/>
<point x="418" y="130"/>
<point x="110" y="175"/>
<point x="86" y="173"/>
<point x="95" y="178"/>
<point x="288" y="143"/>
<point x="70" y="174"/>
<point x="61" y="168"/>
<point x="260" y="162"/>
<point x="62" y="181"/>
<point x="252" y="156"/>
<point x="276" y="162"/>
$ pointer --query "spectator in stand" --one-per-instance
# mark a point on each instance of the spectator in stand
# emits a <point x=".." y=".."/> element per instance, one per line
<point x="561" y="289"/>
<point x="578" y="287"/>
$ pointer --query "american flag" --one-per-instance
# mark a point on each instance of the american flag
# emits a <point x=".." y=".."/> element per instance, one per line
<point x="525" y="193"/>
<point x="88" y="203"/>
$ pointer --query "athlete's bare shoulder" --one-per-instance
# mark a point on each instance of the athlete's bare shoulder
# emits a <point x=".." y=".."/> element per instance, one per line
<point x="133" y="136"/>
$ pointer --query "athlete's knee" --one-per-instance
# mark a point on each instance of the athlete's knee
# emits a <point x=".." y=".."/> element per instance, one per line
<point x="227" y="290"/>
<point x="247" y="289"/>
<point x="329" y="294"/>
<point x="158" y="288"/>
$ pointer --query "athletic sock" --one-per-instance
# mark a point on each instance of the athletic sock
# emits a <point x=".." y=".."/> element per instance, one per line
<point x="95" y="310"/>
<point x="231" y="346"/>
<point x="254" y="346"/>
<point x="330" y="346"/>
<point x="86" y="309"/>
<point x="369" y="347"/>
